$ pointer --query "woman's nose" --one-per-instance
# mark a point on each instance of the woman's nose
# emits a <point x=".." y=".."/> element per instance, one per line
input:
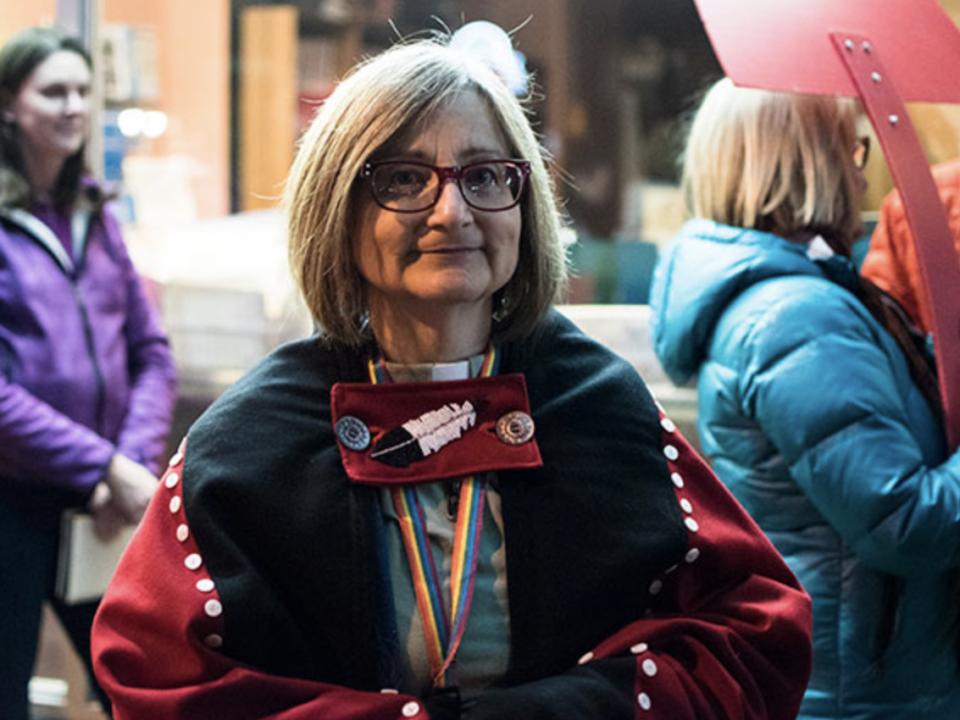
<point x="451" y="206"/>
<point x="76" y="102"/>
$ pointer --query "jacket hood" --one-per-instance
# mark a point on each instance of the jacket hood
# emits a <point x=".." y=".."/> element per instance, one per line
<point x="705" y="268"/>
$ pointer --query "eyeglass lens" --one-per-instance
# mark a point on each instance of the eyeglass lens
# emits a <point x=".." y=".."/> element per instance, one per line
<point x="410" y="187"/>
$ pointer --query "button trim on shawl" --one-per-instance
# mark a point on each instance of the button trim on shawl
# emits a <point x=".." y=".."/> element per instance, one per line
<point x="192" y="561"/>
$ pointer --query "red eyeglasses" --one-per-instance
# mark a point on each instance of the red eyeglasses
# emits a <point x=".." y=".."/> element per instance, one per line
<point x="407" y="186"/>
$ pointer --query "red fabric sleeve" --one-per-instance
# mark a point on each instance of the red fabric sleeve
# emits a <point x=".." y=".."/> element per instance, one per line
<point x="156" y="635"/>
<point x="727" y="631"/>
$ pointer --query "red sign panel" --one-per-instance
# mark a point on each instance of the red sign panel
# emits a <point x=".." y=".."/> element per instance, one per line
<point x="785" y="44"/>
<point x="885" y="52"/>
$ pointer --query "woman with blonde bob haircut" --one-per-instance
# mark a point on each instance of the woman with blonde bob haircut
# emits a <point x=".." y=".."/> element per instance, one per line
<point x="775" y="162"/>
<point x="380" y="100"/>
<point x="818" y="398"/>
<point x="449" y="502"/>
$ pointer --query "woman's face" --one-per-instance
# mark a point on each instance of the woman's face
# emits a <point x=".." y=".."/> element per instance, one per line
<point x="450" y="253"/>
<point x="52" y="107"/>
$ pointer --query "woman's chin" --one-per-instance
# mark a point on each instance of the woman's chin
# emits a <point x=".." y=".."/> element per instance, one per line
<point x="457" y="298"/>
<point x="454" y="287"/>
<point x="452" y="298"/>
<point x="62" y="149"/>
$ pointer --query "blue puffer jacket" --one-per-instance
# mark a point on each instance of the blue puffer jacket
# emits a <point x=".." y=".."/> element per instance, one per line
<point x="85" y="369"/>
<point x="808" y="413"/>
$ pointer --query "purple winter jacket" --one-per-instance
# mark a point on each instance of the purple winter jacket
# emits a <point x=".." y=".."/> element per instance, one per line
<point x="85" y="369"/>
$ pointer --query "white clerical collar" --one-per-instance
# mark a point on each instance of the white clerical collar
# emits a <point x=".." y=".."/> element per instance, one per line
<point x="435" y="372"/>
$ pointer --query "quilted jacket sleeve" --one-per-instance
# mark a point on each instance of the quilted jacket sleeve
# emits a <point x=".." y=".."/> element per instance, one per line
<point x="833" y="393"/>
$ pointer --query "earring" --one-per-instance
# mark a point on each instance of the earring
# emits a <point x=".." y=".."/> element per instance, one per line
<point x="500" y="309"/>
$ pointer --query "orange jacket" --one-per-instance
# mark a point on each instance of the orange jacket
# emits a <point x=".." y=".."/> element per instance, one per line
<point x="892" y="259"/>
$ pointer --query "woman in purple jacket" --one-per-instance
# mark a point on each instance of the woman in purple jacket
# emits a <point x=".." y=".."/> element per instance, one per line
<point x="86" y="375"/>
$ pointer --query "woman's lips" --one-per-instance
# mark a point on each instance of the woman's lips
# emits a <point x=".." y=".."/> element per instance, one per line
<point x="449" y="249"/>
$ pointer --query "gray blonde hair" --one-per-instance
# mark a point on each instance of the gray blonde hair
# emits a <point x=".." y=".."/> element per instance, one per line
<point x="379" y="100"/>
<point x="778" y="162"/>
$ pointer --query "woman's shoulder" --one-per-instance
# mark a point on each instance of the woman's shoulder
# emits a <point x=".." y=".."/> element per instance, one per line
<point x="560" y="360"/>
<point x="789" y="300"/>
<point x="276" y="413"/>
<point x="557" y="337"/>
<point x="780" y="314"/>
<point x="292" y="382"/>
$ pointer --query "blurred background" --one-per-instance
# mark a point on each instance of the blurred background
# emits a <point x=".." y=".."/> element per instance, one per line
<point x="198" y="106"/>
